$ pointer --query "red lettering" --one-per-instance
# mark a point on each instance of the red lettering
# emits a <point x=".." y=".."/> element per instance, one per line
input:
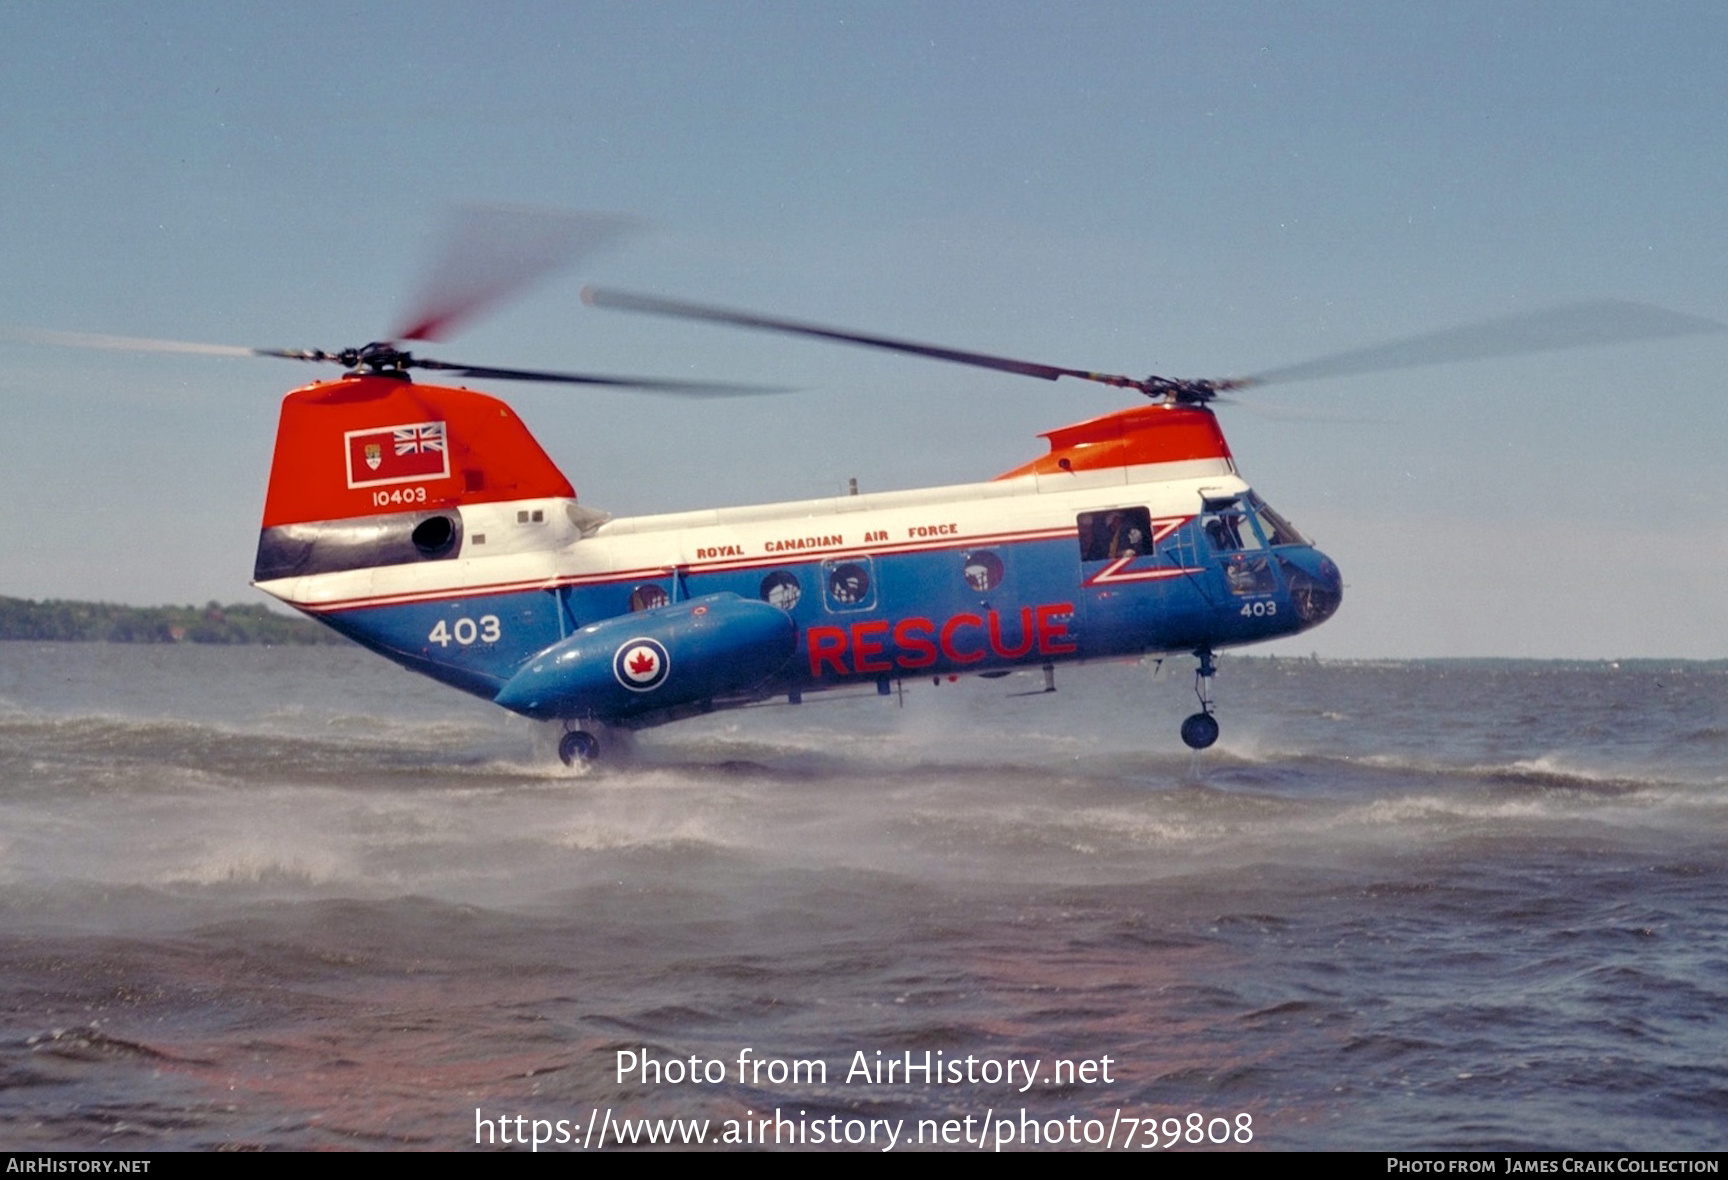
<point x="910" y="641"/>
<point x="863" y="649"/>
<point x="1051" y="631"/>
<point x="1027" y="635"/>
<point x="827" y="646"/>
<point x="948" y="629"/>
<point x="920" y="652"/>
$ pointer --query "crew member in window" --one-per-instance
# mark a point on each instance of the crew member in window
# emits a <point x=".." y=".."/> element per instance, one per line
<point x="1127" y="539"/>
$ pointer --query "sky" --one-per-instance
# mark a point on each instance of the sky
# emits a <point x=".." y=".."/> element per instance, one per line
<point x="1196" y="190"/>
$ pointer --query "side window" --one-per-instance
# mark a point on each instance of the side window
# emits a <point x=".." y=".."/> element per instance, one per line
<point x="1118" y="532"/>
<point x="782" y="589"/>
<point x="983" y="571"/>
<point x="648" y="596"/>
<point x="847" y="584"/>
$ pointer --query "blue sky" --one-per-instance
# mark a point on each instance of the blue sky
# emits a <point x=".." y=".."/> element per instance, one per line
<point x="1195" y="190"/>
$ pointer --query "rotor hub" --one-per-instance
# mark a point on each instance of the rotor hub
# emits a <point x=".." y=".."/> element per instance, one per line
<point x="380" y="358"/>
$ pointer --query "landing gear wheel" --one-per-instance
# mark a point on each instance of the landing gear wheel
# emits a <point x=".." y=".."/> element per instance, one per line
<point x="579" y="746"/>
<point x="1200" y="731"/>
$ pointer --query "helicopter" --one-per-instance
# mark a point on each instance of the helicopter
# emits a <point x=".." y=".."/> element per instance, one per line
<point x="426" y="523"/>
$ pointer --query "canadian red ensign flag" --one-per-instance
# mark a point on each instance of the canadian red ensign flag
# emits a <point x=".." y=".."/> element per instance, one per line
<point x="397" y="454"/>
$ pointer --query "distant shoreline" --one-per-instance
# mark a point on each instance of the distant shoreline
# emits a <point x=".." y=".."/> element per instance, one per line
<point x="68" y="621"/>
<point x="1490" y="663"/>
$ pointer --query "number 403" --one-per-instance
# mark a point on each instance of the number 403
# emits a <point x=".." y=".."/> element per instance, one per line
<point x="464" y="631"/>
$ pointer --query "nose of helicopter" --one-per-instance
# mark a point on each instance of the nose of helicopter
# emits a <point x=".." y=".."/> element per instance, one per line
<point x="1316" y="589"/>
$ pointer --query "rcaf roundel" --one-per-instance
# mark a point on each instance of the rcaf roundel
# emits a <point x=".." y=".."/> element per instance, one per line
<point x="641" y="665"/>
<point x="397" y="454"/>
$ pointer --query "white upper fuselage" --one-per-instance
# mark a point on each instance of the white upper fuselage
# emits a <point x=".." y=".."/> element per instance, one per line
<point x="544" y="543"/>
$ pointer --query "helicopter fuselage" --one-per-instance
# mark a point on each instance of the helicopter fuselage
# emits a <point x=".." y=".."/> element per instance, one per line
<point x="1134" y="535"/>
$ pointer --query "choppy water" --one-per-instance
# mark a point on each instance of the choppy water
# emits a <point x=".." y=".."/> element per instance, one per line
<point x="299" y="898"/>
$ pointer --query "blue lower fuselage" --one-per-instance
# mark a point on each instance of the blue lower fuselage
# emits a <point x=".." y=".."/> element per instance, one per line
<point x="873" y="617"/>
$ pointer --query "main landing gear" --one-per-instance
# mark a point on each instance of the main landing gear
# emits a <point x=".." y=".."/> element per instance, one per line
<point x="579" y="746"/>
<point x="1201" y="729"/>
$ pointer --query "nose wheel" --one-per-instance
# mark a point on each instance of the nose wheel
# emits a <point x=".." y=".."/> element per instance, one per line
<point x="1201" y="730"/>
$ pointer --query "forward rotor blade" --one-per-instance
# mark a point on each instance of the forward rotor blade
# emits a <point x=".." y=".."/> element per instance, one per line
<point x="644" y="384"/>
<point x="1577" y="325"/>
<point x="623" y="300"/>
<point x="493" y="254"/>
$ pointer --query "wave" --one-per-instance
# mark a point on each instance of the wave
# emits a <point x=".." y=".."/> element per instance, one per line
<point x="1555" y="770"/>
<point x="96" y="751"/>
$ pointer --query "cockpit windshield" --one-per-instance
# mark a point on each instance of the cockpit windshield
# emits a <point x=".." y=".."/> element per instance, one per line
<point x="1276" y="529"/>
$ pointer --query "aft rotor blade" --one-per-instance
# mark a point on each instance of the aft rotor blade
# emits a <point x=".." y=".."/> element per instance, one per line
<point x="644" y="384"/>
<point x="678" y="309"/>
<point x="1577" y="325"/>
<point x="132" y="343"/>
<point x="493" y="254"/>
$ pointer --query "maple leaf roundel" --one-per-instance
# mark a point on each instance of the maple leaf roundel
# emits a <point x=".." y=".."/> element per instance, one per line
<point x="641" y="664"/>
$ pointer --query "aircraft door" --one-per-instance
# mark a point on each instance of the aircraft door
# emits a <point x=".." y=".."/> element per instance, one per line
<point x="1241" y="575"/>
<point x="1182" y="549"/>
<point x="1134" y="591"/>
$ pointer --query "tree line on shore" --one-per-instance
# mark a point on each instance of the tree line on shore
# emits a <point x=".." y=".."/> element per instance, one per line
<point x="107" y="622"/>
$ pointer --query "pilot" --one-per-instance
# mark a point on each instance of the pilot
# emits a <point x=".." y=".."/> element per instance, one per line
<point x="1248" y="576"/>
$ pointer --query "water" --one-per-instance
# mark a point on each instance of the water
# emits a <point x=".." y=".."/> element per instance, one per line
<point x="298" y="898"/>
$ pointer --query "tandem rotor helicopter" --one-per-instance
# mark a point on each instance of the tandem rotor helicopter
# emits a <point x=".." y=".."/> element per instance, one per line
<point x="426" y="523"/>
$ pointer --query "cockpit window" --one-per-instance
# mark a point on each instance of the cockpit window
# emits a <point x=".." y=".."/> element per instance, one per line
<point x="1230" y="531"/>
<point x="1278" y="531"/>
<point x="1250" y="575"/>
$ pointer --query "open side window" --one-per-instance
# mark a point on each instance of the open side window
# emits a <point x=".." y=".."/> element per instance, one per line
<point x="1117" y="532"/>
